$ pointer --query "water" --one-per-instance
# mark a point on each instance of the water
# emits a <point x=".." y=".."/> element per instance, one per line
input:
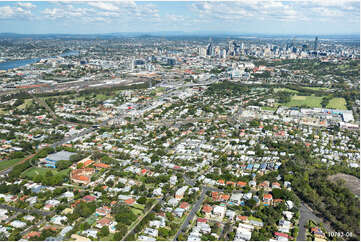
<point x="19" y="63"/>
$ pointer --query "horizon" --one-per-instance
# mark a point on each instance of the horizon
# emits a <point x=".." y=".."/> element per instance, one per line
<point x="276" y="17"/>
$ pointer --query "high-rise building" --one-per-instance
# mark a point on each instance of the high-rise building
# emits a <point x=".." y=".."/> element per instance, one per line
<point x="316" y="43"/>
<point x="210" y="50"/>
<point x="203" y="52"/>
<point x="231" y="46"/>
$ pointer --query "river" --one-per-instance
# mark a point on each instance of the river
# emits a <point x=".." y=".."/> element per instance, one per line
<point x="19" y="63"/>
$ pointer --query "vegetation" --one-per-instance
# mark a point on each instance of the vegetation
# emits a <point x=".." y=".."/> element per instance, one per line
<point x="5" y="164"/>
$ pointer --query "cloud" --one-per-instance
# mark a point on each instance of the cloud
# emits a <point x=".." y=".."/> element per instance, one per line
<point x="104" y="6"/>
<point x="275" y="10"/>
<point x="26" y="5"/>
<point x="68" y="12"/>
<point x="9" y="12"/>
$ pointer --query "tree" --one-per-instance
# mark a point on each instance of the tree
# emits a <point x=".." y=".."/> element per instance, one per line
<point x="141" y="200"/>
<point x="16" y="155"/>
<point x="118" y="236"/>
<point x="75" y="158"/>
<point x="163" y="232"/>
<point x="63" y="164"/>
<point x="104" y="231"/>
<point x="251" y="203"/>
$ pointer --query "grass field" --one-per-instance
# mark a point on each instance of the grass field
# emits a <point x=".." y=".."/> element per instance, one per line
<point x="138" y="206"/>
<point x="136" y="211"/>
<point x="2" y="111"/>
<point x="26" y="103"/>
<point x="269" y="108"/>
<point x="8" y="163"/>
<point x="310" y="101"/>
<point x="316" y="88"/>
<point x="285" y="90"/>
<point x="34" y="171"/>
<point x="102" y="97"/>
<point x="337" y="103"/>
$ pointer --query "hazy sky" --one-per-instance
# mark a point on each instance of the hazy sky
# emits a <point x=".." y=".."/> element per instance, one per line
<point x="251" y="16"/>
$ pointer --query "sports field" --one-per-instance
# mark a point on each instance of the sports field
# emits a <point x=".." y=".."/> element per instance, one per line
<point x="337" y="103"/>
<point x="309" y="101"/>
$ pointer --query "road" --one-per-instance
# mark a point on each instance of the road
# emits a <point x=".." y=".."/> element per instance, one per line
<point x="27" y="211"/>
<point x="191" y="214"/>
<point x="34" y="227"/>
<point x="307" y="214"/>
<point x="226" y="229"/>
<point x="140" y="219"/>
<point x="6" y="171"/>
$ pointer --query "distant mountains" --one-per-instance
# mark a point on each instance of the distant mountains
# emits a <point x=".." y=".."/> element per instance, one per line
<point x="177" y="34"/>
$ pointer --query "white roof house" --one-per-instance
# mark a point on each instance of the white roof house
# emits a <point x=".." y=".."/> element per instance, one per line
<point x="59" y="220"/>
<point x="18" y="224"/>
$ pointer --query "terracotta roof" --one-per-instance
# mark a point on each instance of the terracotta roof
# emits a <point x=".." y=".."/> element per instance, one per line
<point x="202" y="220"/>
<point x="184" y="205"/>
<point x="241" y="184"/>
<point x="81" y="178"/>
<point x="281" y="234"/>
<point x="243" y="218"/>
<point x="267" y="196"/>
<point x="89" y="198"/>
<point x="101" y="165"/>
<point x="206" y="208"/>
<point x="32" y="234"/>
<point x="230" y="183"/>
<point x="52" y="228"/>
<point x="225" y="197"/>
<point x="104" y="221"/>
<point x="129" y="201"/>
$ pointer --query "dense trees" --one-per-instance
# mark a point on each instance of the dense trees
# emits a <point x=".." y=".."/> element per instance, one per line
<point x="16" y="155"/>
<point x="226" y="88"/>
<point x="123" y="214"/>
<point x="63" y="164"/>
<point x="332" y="200"/>
<point x="84" y="209"/>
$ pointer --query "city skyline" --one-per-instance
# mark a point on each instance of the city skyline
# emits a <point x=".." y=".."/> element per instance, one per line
<point x="240" y="17"/>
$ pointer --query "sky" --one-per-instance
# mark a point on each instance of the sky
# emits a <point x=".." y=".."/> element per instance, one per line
<point x="241" y="17"/>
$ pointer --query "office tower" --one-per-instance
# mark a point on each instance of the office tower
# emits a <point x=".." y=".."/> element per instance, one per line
<point x="316" y="43"/>
<point x="210" y="50"/>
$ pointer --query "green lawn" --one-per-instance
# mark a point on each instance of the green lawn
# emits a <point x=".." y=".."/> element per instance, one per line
<point x="138" y="206"/>
<point x="285" y="90"/>
<point x="102" y="97"/>
<point x="269" y="108"/>
<point x="137" y="211"/>
<point x="34" y="171"/>
<point x="254" y="218"/>
<point x="2" y="111"/>
<point x="8" y="163"/>
<point x="337" y="103"/>
<point x="26" y="103"/>
<point x="310" y="101"/>
<point x="317" y="88"/>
